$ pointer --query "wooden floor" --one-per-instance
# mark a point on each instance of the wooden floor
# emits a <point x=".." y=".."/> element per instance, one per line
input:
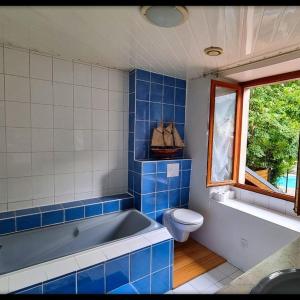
<point x="192" y="259"/>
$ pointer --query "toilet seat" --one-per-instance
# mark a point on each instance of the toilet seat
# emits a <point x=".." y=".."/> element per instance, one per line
<point x="187" y="216"/>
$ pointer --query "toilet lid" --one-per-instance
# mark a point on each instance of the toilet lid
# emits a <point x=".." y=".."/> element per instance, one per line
<point x="187" y="216"/>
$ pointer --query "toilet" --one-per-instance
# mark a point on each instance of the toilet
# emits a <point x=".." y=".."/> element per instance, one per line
<point x="181" y="221"/>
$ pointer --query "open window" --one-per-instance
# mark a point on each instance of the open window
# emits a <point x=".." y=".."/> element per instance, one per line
<point x="254" y="130"/>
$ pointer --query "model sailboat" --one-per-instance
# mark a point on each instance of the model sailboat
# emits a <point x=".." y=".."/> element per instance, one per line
<point x="166" y="141"/>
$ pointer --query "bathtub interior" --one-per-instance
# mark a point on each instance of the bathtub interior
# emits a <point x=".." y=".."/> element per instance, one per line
<point x="23" y="249"/>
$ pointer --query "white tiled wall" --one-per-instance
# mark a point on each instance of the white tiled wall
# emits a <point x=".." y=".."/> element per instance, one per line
<point x="63" y="130"/>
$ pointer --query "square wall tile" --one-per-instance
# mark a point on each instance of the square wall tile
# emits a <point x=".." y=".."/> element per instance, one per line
<point x="7" y="226"/>
<point x="100" y="99"/>
<point x="17" y="114"/>
<point x="91" y="280"/>
<point x="99" y="77"/>
<point x="115" y="120"/>
<point x="1" y="87"/>
<point x="17" y="89"/>
<point x="169" y="80"/>
<point x="63" y="94"/>
<point x="63" y="117"/>
<point x="28" y="222"/>
<point x="52" y="217"/>
<point x="148" y="202"/>
<point x="142" y="285"/>
<point x="16" y="62"/>
<point x="63" y="140"/>
<point x="180" y="95"/>
<point x="40" y="66"/>
<point x="142" y="110"/>
<point x="82" y="118"/>
<point x="18" y="139"/>
<point x="62" y="70"/>
<point x="142" y="90"/>
<point x="63" y="285"/>
<point x="63" y="162"/>
<point x="157" y="78"/>
<point x="140" y="264"/>
<point x="160" y="282"/>
<point x="18" y="164"/>
<point x="64" y="184"/>
<point x="111" y="206"/>
<point x="41" y="91"/>
<point x="100" y="120"/>
<point x="116" y="101"/>
<point x="82" y="74"/>
<point x="42" y="163"/>
<point x="82" y="96"/>
<point x="2" y="113"/>
<point x="162" y="200"/>
<point x="41" y="116"/>
<point x="160" y="256"/>
<point x="148" y="183"/>
<point x="75" y="213"/>
<point x="143" y="75"/>
<point x="82" y="140"/>
<point x="116" y="80"/>
<point x="93" y="210"/>
<point x="155" y="112"/>
<point x="168" y="95"/>
<point x="117" y="273"/>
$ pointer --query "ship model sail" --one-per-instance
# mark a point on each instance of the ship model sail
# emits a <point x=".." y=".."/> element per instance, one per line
<point x="166" y="141"/>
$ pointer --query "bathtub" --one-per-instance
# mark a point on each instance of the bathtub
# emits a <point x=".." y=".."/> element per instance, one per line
<point x="28" y="248"/>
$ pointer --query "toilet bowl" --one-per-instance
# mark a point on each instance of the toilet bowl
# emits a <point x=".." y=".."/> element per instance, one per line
<point x="180" y="222"/>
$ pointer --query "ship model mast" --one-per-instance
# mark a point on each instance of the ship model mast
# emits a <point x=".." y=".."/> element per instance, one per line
<point x="166" y="141"/>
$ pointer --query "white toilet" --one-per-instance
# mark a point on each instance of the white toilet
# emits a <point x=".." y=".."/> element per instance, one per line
<point x="180" y="222"/>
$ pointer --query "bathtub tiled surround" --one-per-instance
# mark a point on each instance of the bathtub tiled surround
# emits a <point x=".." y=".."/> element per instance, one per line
<point x="154" y="191"/>
<point x="31" y="218"/>
<point x="63" y="130"/>
<point x="153" y="98"/>
<point x="141" y="264"/>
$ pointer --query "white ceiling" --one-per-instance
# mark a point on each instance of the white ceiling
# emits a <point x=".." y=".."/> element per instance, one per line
<point x="120" y="37"/>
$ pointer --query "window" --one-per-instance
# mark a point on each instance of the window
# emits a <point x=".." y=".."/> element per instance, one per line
<point x="254" y="130"/>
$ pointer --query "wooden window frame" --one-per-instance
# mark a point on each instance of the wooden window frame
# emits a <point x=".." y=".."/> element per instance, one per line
<point x="237" y="132"/>
<point x="237" y="139"/>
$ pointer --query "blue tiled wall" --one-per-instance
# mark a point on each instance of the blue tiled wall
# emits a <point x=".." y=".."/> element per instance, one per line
<point x="154" y="192"/>
<point x="153" y="98"/>
<point x="145" y="271"/>
<point x="31" y="218"/>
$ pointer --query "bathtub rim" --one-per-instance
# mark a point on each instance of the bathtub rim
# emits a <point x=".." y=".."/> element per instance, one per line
<point x="22" y="278"/>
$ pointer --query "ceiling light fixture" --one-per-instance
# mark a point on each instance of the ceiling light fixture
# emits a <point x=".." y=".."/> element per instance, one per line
<point x="213" y="51"/>
<point x="165" y="16"/>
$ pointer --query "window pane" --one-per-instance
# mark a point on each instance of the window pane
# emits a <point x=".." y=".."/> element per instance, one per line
<point x="223" y="135"/>
<point x="273" y="137"/>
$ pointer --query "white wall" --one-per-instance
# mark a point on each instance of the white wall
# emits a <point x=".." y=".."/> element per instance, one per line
<point x="63" y="130"/>
<point x="223" y="227"/>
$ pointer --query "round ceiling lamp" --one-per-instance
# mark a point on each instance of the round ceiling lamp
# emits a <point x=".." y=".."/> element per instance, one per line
<point x="165" y="16"/>
<point x="213" y="51"/>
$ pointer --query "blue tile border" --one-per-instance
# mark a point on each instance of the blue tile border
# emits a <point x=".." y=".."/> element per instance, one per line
<point x="32" y="218"/>
<point x="126" y="274"/>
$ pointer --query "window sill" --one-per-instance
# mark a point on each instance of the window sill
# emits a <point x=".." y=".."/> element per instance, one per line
<point x="277" y="218"/>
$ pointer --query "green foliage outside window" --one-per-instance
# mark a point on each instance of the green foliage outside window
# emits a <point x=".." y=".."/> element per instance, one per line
<point x="274" y="126"/>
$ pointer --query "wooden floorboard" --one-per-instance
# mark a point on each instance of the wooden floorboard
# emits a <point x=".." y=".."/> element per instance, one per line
<point x="192" y="259"/>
